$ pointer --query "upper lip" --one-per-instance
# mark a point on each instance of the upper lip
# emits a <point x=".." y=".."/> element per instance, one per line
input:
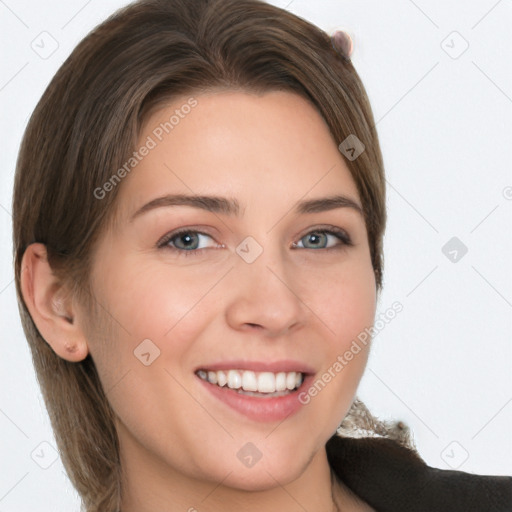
<point x="285" y="365"/>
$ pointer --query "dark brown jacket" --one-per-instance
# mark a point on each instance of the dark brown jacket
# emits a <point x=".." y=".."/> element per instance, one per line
<point x="393" y="478"/>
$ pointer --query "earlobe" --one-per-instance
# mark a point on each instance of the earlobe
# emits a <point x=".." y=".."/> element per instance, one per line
<point x="50" y="306"/>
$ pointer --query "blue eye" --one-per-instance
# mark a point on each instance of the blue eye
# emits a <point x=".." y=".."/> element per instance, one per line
<point x="185" y="240"/>
<point x="315" y="240"/>
<point x="319" y="239"/>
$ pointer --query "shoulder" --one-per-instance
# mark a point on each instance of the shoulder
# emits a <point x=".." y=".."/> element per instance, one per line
<point x="392" y="477"/>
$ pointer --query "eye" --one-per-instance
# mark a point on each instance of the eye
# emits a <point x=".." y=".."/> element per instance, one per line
<point x="186" y="241"/>
<point x="331" y="238"/>
<point x="189" y="242"/>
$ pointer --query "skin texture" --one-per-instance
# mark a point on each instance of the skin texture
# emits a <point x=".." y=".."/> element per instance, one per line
<point x="178" y="442"/>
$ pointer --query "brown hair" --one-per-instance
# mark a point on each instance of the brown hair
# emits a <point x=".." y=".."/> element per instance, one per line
<point x="86" y="125"/>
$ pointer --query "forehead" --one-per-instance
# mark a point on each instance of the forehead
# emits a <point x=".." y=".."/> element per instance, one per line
<point x="274" y="146"/>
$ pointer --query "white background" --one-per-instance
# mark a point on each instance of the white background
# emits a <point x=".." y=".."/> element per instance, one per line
<point x="443" y="365"/>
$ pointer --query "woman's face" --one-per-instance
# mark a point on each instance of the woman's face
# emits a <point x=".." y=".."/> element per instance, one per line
<point x="256" y="280"/>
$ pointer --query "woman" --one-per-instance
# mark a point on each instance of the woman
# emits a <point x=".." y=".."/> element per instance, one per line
<point x="199" y="208"/>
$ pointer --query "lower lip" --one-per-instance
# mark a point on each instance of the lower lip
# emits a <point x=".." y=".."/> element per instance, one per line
<point x="261" y="409"/>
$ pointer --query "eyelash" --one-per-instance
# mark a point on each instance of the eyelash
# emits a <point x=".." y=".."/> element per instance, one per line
<point x="340" y="234"/>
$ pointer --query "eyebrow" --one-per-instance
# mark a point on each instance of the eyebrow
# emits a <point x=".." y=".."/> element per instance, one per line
<point x="217" y="204"/>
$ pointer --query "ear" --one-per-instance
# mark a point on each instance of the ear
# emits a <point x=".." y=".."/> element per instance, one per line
<point x="51" y="309"/>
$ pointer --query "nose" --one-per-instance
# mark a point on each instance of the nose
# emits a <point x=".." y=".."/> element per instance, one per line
<point x="263" y="298"/>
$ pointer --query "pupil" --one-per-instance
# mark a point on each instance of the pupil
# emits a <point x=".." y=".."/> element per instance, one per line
<point x="314" y="239"/>
<point x="187" y="240"/>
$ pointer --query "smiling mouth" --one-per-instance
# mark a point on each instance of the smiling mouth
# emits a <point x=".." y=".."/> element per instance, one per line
<point x="260" y="384"/>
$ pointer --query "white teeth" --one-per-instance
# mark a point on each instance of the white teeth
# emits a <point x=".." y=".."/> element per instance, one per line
<point x="222" y="380"/>
<point x="234" y="379"/>
<point x="258" y="382"/>
<point x="281" y="381"/>
<point x="290" y="380"/>
<point x="249" y="381"/>
<point x="266" y="382"/>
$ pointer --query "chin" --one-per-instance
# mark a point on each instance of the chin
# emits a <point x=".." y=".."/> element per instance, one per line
<point x="261" y="477"/>
<point x="268" y="469"/>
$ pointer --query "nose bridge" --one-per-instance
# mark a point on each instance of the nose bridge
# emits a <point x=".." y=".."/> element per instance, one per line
<point x="263" y="291"/>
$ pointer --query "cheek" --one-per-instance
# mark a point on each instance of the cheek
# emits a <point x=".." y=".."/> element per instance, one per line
<point x="352" y="306"/>
<point x="343" y="298"/>
<point x="151" y="314"/>
<point x="347" y="306"/>
<point x="149" y="299"/>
